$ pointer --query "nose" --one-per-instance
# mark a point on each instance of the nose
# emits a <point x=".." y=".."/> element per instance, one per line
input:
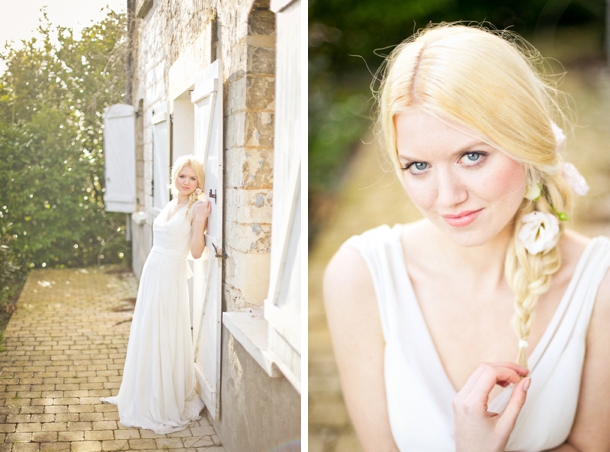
<point x="451" y="191"/>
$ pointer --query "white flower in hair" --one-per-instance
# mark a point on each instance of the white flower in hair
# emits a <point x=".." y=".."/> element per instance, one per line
<point x="198" y="191"/>
<point x="540" y="232"/>
<point x="560" y="137"/>
<point x="533" y="192"/>
<point x="574" y="179"/>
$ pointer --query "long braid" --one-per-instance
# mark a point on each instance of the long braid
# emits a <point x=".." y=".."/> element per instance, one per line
<point x="529" y="276"/>
<point x="193" y="197"/>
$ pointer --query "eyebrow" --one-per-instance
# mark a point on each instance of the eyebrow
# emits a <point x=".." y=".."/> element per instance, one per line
<point x="458" y="152"/>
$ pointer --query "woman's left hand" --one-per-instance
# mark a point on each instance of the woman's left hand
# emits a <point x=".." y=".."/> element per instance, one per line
<point x="477" y="429"/>
<point x="202" y="210"/>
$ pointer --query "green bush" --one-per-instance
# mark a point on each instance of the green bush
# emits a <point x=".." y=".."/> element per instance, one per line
<point x="51" y="156"/>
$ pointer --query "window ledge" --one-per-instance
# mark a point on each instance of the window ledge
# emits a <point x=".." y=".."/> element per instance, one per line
<point x="250" y="329"/>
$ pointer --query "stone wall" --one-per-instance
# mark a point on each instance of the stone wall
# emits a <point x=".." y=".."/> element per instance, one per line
<point x="258" y="413"/>
<point x="249" y="162"/>
<point x="243" y="36"/>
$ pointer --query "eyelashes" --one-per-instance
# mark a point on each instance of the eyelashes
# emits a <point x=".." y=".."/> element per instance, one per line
<point x="468" y="159"/>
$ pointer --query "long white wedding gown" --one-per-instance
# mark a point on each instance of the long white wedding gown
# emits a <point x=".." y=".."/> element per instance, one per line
<point x="158" y="387"/>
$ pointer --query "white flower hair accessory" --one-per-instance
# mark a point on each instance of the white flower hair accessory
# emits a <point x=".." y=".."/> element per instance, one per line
<point x="577" y="183"/>
<point x="574" y="179"/>
<point x="198" y="191"/>
<point x="560" y="137"/>
<point x="533" y="192"/>
<point x="540" y="232"/>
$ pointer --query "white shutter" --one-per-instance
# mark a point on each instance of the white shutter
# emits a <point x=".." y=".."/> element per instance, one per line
<point x="160" y="126"/>
<point x="283" y="303"/>
<point x="120" y="158"/>
<point x="207" y="289"/>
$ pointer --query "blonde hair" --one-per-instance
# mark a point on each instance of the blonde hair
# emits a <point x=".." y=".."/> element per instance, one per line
<point x="195" y="164"/>
<point x="493" y="83"/>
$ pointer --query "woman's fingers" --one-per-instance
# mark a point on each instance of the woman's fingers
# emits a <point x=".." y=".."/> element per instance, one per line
<point x="474" y="425"/>
<point x="487" y="375"/>
<point x="508" y="418"/>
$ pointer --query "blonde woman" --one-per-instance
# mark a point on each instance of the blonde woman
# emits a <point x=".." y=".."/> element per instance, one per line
<point x="158" y="387"/>
<point x="484" y="326"/>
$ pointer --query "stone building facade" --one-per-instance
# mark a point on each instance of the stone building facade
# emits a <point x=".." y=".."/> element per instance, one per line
<point x="171" y="42"/>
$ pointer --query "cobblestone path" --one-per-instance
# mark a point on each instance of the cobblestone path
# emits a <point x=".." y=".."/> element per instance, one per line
<point x="64" y="349"/>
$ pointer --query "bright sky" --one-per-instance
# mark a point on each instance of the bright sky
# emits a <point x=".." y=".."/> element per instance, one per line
<point x="20" y="18"/>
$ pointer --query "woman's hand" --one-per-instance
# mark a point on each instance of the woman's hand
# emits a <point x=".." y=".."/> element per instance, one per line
<point x="202" y="211"/>
<point x="477" y="429"/>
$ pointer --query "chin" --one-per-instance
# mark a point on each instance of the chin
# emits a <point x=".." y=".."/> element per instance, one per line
<point x="469" y="240"/>
<point x="471" y="236"/>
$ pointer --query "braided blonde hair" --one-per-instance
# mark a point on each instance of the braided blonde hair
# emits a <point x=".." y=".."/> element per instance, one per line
<point x="493" y="83"/>
<point x="195" y="164"/>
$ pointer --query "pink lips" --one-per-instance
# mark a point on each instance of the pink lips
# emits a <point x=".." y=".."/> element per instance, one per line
<point x="463" y="218"/>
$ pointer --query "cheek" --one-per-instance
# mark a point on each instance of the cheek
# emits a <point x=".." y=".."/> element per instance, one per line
<point x="419" y="191"/>
<point x="506" y="182"/>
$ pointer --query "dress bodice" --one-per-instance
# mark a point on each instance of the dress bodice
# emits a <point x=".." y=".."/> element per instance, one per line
<point x="174" y="234"/>
<point x="419" y="392"/>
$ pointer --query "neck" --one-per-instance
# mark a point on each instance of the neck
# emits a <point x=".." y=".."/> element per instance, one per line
<point x="481" y="263"/>
<point x="182" y="199"/>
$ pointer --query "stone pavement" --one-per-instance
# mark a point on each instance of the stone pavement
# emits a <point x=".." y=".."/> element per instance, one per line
<point x="369" y="197"/>
<point x="64" y="349"/>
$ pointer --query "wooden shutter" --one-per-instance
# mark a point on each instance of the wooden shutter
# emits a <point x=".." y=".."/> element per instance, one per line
<point x="283" y="303"/>
<point x="120" y="158"/>
<point x="207" y="289"/>
<point x="161" y="135"/>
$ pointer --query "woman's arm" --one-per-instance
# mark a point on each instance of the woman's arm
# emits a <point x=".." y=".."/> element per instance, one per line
<point x="590" y="432"/>
<point x="201" y="212"/>
<point x="355" y="326"/>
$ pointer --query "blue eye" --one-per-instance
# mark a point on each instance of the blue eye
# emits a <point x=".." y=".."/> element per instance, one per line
<point x="472" y="158"/>
<point x="416" y="167"/>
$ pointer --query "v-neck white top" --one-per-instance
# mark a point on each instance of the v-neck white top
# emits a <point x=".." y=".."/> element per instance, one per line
<point x="419" y="393"/>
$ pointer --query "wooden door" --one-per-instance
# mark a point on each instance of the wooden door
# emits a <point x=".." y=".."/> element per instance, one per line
<point x="207" y="289"/>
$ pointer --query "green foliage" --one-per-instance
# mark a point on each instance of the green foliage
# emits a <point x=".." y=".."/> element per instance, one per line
<point x="51" y="157"/>
<point x="9" y="265"/>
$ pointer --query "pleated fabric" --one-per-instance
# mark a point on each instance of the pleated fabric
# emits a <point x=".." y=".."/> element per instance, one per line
<point x="158" y="387"/>
<point x="419" y="392"/>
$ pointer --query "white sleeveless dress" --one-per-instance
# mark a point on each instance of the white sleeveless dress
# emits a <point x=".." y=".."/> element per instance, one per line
<point x="158" y="387"/>
<point x="419" y="393"/>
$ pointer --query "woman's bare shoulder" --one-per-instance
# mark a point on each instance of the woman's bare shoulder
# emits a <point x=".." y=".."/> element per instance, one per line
<point x="348" y="267"/>
<point x="355" y="328"/>
<point x="347" y="276"/>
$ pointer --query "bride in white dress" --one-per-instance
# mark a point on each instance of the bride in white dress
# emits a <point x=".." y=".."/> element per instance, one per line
<point x="158" y="387"/>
